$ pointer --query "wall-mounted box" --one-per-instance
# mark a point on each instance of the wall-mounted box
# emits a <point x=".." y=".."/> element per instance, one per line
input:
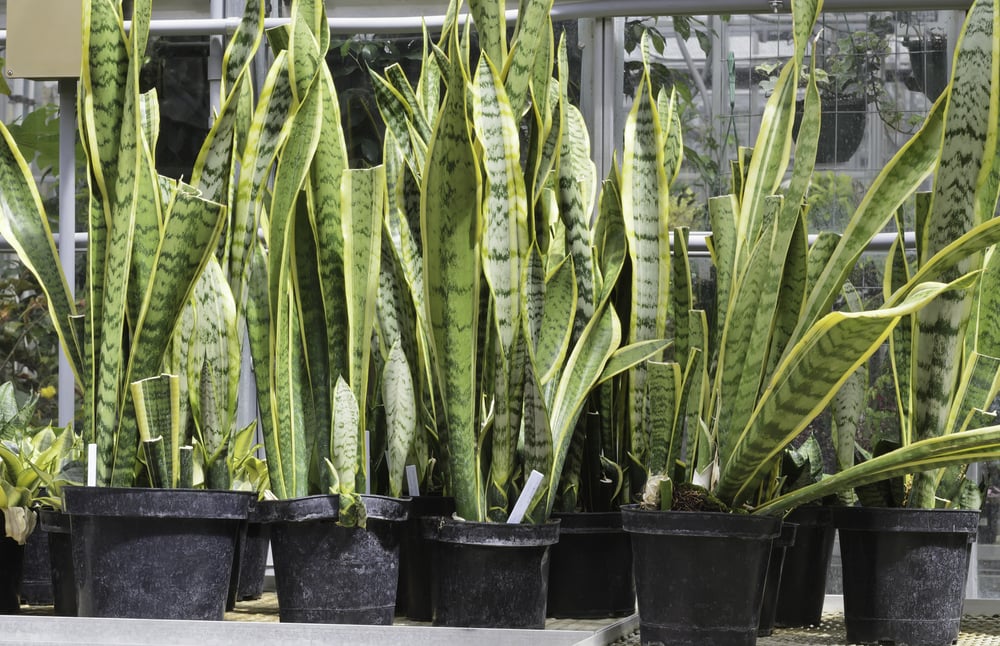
<point x="43" y="38"/>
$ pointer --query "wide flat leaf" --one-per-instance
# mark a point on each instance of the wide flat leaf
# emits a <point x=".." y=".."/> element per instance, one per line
<point x="449" y="216"/>
<point x="807" y="379"/>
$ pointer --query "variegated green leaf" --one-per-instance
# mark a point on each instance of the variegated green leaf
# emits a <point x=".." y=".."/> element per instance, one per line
<point x="363" y="200"/>
<point x="157" y="403"/>
<point x="449" y="217"/>
<point x="558" y="307"/>
<point x="898" y="180"/>
<point x="531" y="31"/>
<point x="806" y="381"/>
<point x="217" y="356"/>
<point x="977" y="389"/>
<point x="24" y="225"/>
<point x="344" y="438"/>
<point x="583" y="368"/>
<point x="933" y="453"/>
<point x="965" y="194"/>
<point x="722" y="247"/>
<point x="400" y="413"/>
<point x="103" y="77"/>
<point x="987" y="315"/>
<point x="491" y="23"/>
<point x="505" y="211"/>
<point x="663" y="393"/>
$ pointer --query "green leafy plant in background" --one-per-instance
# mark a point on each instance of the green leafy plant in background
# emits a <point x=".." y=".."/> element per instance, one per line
<point x="28" y="342"/>
<point x="34" y="463"/>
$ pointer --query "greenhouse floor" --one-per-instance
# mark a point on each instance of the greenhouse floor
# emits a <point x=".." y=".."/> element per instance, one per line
<point x="257" y="621"/>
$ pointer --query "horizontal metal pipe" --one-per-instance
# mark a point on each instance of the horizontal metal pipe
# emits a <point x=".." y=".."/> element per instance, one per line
<point x="570" y="10"/>
<point x="696" y="242"/>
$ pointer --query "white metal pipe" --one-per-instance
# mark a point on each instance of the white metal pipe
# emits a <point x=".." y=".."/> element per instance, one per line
<point x="571" y="10"/>
<point x="67" y="230"/>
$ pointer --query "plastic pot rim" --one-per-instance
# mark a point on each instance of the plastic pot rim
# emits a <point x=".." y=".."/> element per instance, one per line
<point x="139" y="502"/>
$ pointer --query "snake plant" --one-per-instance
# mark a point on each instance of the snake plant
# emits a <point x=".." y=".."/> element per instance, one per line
<point x="316" y="277"/>
<point x="512" y="314"/>
<point x="150" y="237"/>
<point x="822" y="350"/>
<point x="778" y="355"/>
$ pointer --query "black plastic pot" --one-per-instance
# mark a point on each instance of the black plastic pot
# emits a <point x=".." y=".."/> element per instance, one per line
<point x="490" y="575"/>
<point x="904" y="573"/>
<point x="803" y="577"/>
<point x="36" y="576"/>
<point x="11" y="563"/>
<point x="56" y="526"/>
<point x="253" y="562"/>
<point x="325" y="573"/>
<point x="153" y="553"/>
<point x="413" y="595"/>
<point x="841" y="130"/>
<point x="249" y="562"/>
<point x="590" y="568"/>
<point x="699" y="576"/>
<point x="772" y="580"/>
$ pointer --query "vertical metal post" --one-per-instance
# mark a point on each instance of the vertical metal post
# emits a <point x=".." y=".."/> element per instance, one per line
<point x="67" y="230"/>
<point x="216" y="48"/>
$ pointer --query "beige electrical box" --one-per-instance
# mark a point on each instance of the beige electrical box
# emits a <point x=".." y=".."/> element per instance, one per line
<point x="43" y="39"/>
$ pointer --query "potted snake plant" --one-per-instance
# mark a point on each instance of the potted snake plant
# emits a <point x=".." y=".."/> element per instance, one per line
<point x="312" y="317"/>
<point x="780" y="354"/>
<point x="149" y="239"/>
<point x="512" y="308"/>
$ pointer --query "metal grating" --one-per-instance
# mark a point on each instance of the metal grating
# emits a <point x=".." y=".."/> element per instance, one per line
<point x="976" y="631"/>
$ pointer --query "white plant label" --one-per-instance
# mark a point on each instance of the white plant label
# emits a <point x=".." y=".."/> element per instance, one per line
<point x="521" y="506"/>
<point x="412" y="482"/>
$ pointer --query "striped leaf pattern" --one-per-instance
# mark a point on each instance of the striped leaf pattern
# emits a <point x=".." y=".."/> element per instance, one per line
<point x="103" y="75"/>
<point x="898" y="179"/>
<point x="505" y="216"/>
<point x="552" y="340"/>
<point x="644" y="203"/>
<point x="363" y="197"/>
<point x="215" y="359"/>
<point x="242" y="45"/>
<point x="190" y="236"/>
<point x="954" y="449"/>
<point x="326" y="223"/>
<point x="599" y="340"/>
<point x="508" y="405"/>
<point x="492" y="27"/>
<point x="576" y="195"/>
<point x="681" y="296"/>
<point x="346" y="453"/>
<point x="157" y="407"/>
<point x="449" y="218"/>
<point x="976" y="390"/>
<point x="111" y="363"/>
<point x="965" y="193"/>
<point x="532" y="23"/>
<point x="24" y="224"/>
<point x="264" y="139"/>
<point x="400" y="411"/>
<point x="806" y="381"/>
<point x="987" y="318"/>
<point x="662" y="400"/>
